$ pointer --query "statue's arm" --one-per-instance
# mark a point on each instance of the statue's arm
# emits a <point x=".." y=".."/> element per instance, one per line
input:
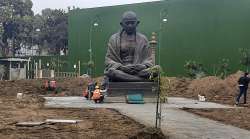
<point x="147" y="55"/>
<point x="112" y="59"/>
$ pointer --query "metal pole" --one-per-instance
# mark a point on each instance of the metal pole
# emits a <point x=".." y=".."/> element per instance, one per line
<point x="36" y="71"/>
<point x="28" y="68"/>
<point x="158" y="106"/>
<point x="10" y="71"/>
<point x="79" y="68"/>
<point x="58" y="63"/>
<point x="158" y="80"/>
<point x="90" y="49"/>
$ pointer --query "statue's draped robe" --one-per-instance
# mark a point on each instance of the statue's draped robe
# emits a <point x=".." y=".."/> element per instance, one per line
<point x="142" y="51"/>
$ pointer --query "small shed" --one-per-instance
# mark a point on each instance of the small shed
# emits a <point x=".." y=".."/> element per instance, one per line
<point x="15" y="68"/>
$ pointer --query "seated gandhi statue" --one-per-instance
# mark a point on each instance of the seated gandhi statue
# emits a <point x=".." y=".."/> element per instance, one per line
<point x="129" y="56"/>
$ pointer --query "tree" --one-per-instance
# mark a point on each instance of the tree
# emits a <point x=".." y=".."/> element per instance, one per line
<point x="223" y="68"/>
<point x="1" y="43"/>
<point x="194" y="69"/>
<point x="54" y="32"/>
<point x="20" y="28"/>
<point x="13" y="17"/>
<point x="245" y="57"/>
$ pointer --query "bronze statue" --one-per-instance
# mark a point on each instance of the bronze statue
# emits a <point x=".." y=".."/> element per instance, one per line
<point x="129" y="56"/>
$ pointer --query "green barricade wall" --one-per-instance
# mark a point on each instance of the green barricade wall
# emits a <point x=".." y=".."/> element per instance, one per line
<point x="202" y="30"/>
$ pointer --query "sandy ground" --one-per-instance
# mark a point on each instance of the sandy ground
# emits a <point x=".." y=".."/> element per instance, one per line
<point x="95" y="124"/>
<point x="239" y="117"/>
<point x="106" y="122"/>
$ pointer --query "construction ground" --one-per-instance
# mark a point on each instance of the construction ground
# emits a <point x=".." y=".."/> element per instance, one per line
<point x="183" y="117"/>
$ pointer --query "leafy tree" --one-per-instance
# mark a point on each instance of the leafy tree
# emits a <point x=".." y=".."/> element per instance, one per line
<point x="194" y="69"/>
<point x="223" y="68"/>
<point x="15" y="21"/>
<point x="245" y="57"/>
<point x="20" y="28"/>
<point x="54" y="34"/>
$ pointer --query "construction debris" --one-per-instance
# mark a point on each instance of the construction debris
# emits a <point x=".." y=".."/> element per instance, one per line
<point x="30" y="124"/>
<point x="62" y="121"/>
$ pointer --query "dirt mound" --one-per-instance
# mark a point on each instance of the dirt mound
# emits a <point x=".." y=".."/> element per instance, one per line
<point x="72" y="86"/>
<point x="216" y="89"/>
<point x="213" y="88"/>
<point x="94" y="124"/>
<point x="11" y="88"/>
<point x="178" y="86"/>
<point x="209" y="86"/>
<point x="149" y="133"/>
<point x="67" y="86"/>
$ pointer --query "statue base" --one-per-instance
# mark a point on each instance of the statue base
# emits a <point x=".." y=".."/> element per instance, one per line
<point x="122" y="89"/>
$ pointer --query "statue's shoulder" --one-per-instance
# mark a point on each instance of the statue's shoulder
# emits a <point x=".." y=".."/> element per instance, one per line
<point x="142" y="36"/>
<point x="114" y="36"/>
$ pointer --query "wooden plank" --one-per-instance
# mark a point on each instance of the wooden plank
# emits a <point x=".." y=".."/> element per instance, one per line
<point x="62" y="121"/>
<point x="30" y="124"/>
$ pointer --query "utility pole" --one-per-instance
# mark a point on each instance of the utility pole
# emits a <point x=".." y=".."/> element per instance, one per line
<point x="79" y="68"/>
<point x="93" y="24"/>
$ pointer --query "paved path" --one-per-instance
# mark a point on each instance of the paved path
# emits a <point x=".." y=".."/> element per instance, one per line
<point x="176" y="123"/>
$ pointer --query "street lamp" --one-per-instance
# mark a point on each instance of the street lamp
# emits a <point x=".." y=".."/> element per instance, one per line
<point x="47" y="64"/>
<point x="163" y="19"/>
<point x="93" y="24"/>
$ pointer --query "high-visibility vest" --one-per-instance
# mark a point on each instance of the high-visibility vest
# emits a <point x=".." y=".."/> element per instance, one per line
<point x="96" y="94"/>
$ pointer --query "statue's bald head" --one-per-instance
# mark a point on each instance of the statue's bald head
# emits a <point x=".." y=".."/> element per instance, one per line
<point x="129" y="22"/>
<point x="129" y="15"/>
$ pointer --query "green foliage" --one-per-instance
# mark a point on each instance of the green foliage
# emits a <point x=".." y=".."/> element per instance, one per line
<point x="15" y="23"/>
<point x="53" y="30"/>
<point x="245" y="57"/>
<point x="223" y="68"/>
<point x="19" y="25"/>
<point x="194" y="69"/>
<point x="156" y="73"/>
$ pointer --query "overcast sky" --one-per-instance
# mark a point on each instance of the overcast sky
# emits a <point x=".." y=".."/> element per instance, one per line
<point x="38" y="5"/>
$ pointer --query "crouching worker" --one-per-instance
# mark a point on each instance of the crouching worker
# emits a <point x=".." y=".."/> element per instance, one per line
<point x="98" y="97"/>
<point x="88" y="93"/>
<point x="50" y="85"/>
<point x="243" y="86"/>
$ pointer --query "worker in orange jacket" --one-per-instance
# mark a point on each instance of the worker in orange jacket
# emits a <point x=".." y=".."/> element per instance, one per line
<point x="97" y="95"/>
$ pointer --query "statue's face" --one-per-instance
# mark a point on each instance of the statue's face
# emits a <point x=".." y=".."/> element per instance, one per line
<point x="129" y="22"/>
<point x="130" y="26"/>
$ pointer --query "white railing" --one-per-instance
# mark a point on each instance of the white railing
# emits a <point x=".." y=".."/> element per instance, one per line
<point x="52" y="74"/>
<point x="65" y="74"/>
